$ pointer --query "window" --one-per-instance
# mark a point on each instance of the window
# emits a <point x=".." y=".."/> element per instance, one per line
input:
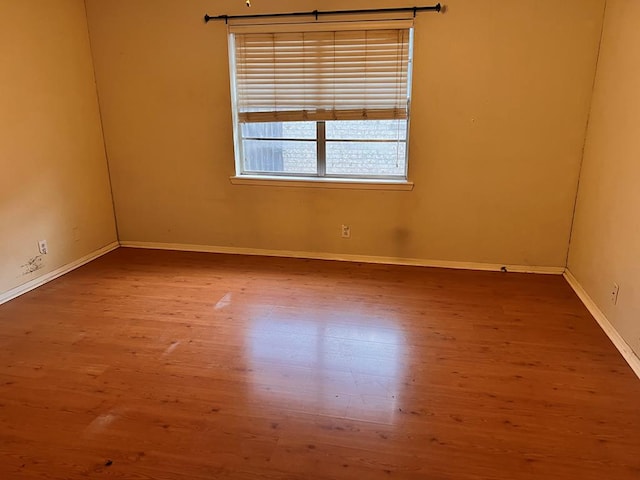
<point x="322" y="101"/>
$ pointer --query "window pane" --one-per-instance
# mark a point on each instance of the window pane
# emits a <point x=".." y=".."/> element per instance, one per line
<point x="279" y="156"/>
<point x="366" y="158"/>
<point x="366" y="130"/>
<point x="291" y="130"/>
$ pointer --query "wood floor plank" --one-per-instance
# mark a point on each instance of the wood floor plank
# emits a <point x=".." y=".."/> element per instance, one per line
<point x="173" y="365"/>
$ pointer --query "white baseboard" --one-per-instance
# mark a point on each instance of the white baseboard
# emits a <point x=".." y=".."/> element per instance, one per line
<point x="344" y="257"/>
<point x="619" y="342"/>
<point x="35" y="283"/>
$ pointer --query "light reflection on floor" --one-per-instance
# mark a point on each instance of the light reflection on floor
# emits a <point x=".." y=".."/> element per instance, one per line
<point x="328" y="366"/>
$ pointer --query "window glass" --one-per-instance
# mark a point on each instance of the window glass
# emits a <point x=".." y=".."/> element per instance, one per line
<point x="366" y="129"/>
<point x="280" y="156"/>
<point x="366" y="158"/>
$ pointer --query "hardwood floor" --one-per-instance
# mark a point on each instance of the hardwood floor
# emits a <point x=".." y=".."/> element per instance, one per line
<point x="168" y="365"/>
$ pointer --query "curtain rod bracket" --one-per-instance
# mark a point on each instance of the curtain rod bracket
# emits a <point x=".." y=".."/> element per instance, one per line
<point x="316" y="13"/>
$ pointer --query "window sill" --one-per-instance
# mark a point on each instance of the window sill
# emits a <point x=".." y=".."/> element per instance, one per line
<point x="306" y="182"/>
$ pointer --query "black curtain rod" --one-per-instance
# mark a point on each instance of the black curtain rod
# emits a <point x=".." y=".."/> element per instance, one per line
<point x="316" y="13"/>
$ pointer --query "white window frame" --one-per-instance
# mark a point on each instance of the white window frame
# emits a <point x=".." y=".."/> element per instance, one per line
<point x="320" y="178"/>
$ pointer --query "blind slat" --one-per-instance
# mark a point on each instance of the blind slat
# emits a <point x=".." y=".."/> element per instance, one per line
<point x="322" y="75"/>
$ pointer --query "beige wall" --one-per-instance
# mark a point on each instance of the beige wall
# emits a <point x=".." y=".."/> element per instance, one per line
<point x="605" y="245"/>
<point x="501" y="96"/>
<point x="53" y="181"/>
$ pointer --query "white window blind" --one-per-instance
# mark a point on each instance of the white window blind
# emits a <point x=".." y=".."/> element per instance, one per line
<point x="322" y="75"/>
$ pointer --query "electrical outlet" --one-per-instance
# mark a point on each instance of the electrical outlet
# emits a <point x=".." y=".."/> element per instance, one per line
<point x="42" y="247"/>
<point x="346" y="231"/>
<point x="614" y="293"/>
